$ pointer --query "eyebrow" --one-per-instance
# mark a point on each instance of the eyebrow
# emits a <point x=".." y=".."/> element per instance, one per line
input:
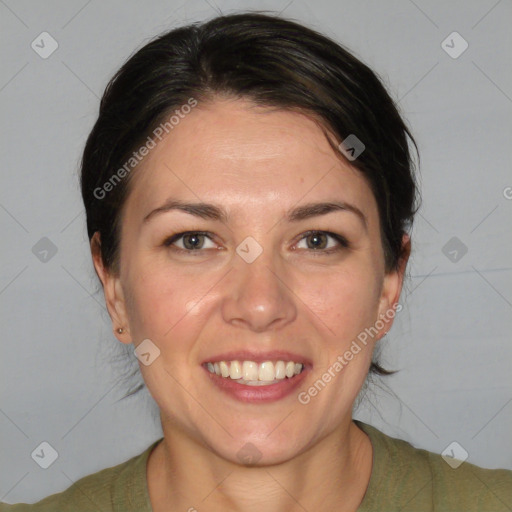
<point x="214" y="212"/>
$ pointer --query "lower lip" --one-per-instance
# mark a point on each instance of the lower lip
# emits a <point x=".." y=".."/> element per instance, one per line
<point x="257" y="394"/>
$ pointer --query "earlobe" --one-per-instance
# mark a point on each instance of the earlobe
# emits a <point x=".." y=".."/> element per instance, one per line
<point x="114" y="297"/>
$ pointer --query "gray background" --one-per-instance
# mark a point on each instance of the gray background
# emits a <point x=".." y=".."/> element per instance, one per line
<point x="60" y="378"/>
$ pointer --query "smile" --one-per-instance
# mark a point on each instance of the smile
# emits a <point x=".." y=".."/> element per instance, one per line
<point x="251" y="373"/>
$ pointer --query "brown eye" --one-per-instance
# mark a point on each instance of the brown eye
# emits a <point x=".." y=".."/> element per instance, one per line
<point x="193" y="241"/>
<point x="190" y="241"/>
<point x="317" y="241"/>
<point x="322" y="241"/>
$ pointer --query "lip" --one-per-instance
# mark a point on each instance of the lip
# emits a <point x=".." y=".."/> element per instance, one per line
<point x="257" y="394"/>
<point x="259" y="357"/>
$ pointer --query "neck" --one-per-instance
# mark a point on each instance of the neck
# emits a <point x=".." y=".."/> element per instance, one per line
<point x="332" y="475"/>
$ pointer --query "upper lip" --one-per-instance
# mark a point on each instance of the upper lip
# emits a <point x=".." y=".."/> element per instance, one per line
<point x="258" y="357"/>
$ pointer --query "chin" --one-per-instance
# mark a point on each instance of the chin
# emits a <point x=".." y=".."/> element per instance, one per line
<point x="261" y="446"/>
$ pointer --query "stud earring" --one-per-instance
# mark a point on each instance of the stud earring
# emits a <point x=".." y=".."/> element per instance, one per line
<point x="120" y="330"/>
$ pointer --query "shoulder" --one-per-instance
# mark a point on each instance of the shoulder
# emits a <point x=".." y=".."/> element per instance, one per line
<point x="407" y="478"/>
<point x="118" y="488"/>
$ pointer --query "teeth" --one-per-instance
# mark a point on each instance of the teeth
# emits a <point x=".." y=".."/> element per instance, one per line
<point x="254" y="374"/>
<point x="266" y="371"/>
<point x="257" y="382"/>
<point x="249" y="370"/>
<point x="280" y="370"/>
<point x="235" y="370"/>
<point x="224" y="369"/>
<point x="290" y="369"/>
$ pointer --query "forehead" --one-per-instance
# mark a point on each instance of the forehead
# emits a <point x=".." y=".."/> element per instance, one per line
<point x="236" y="153"/>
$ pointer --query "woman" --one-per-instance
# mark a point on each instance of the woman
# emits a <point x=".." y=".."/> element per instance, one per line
<point x="249" y="193"/>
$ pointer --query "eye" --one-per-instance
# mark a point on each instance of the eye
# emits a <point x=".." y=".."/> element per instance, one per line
<point x="323" y="241"/>
<point x="316" y="241"/>
<point x="190" y="241"/>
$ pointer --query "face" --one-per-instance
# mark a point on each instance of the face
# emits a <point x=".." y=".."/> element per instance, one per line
<point x="282" y="260"/>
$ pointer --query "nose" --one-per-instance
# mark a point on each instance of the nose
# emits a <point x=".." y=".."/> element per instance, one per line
<point x="257" y="296"/>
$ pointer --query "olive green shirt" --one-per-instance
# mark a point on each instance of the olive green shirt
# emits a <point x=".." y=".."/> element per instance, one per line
<point x="403" y="478"/>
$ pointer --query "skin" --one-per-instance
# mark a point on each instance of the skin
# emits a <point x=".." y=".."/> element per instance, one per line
<point x="256" y="164"/>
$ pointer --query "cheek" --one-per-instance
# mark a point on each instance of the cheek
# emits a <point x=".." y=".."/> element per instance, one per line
<point x="346" y="301"/>
<point x="167" y="307"/>
<point x="157" y="301"/>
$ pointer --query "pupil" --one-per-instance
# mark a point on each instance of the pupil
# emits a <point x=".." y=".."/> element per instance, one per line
<point x="192" y="241"/>
<point x="317" y="241"/>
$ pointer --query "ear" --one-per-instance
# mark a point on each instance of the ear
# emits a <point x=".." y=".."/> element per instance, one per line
<point x="113" y="291"/>
<point x="391" y="289"/>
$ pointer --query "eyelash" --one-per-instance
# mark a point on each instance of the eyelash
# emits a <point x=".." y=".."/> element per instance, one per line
<point x="342" y="242"/>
